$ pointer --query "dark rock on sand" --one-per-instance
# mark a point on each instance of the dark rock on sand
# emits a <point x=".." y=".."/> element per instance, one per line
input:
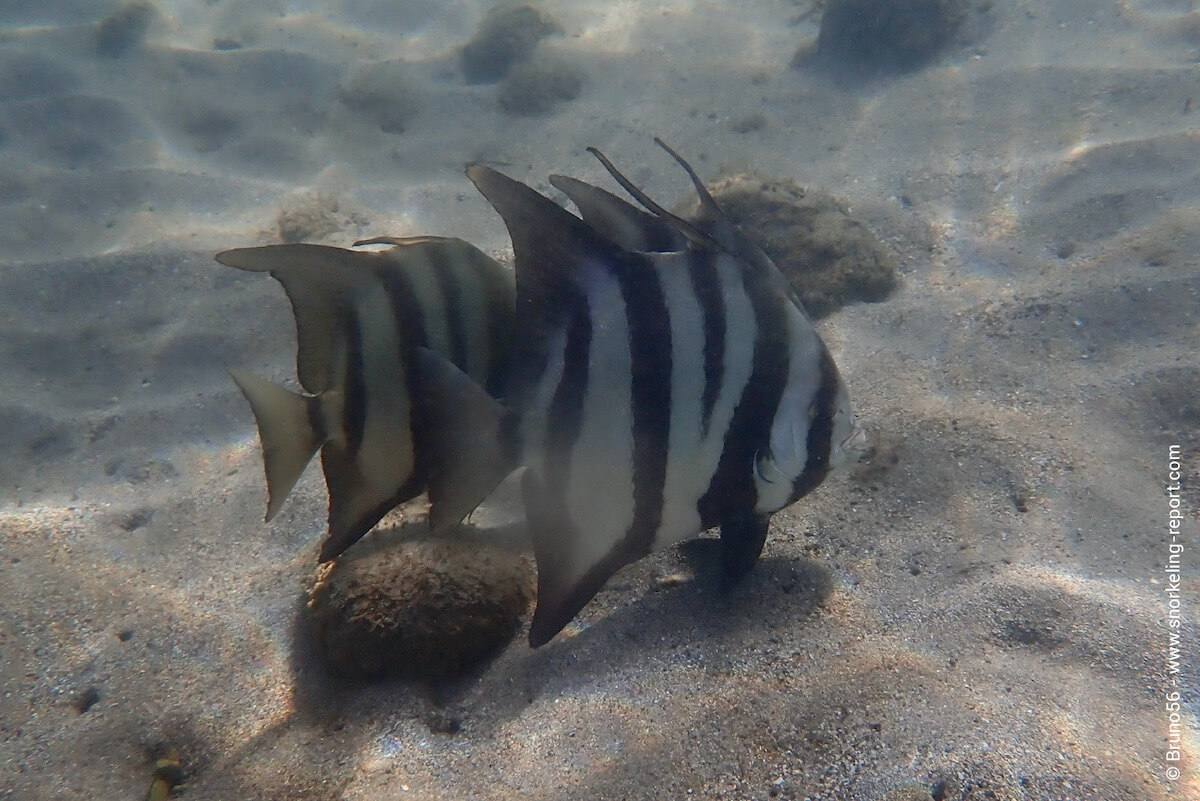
<point x="540" y="84"/>
<point x="124" y="29"/>
<point x="896" y="36"/>
<point x="418" y="608"/>
<point x="383" y="94"/>
<point x="508" y="34"/>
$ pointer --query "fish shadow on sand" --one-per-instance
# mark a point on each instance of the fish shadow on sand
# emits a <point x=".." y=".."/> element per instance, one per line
<point x="646" y="621"/>
<point x="667" y="608"/>
<point x="695" y="613"/>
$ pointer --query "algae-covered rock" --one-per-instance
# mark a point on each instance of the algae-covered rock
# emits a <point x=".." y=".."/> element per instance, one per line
<point x="418" y="608"/>
<point x="507" y="35"/>
<point x="382" y="94"/>
<point x="892" y="36"/>
<point x="540" y="84"/>
<point x="830" y="258"/>
<point x="124" y="29"/>
<point x="313" y="217"/>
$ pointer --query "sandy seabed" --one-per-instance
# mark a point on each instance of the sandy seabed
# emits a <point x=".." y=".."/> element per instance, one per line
<point x="981" y="612"/>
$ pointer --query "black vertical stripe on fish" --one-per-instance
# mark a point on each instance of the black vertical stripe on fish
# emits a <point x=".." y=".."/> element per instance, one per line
<point x="487" y="321"/>
<point x="499" y="322"/>
<point x="706" y="284"/>
<point x="354" y="387"/>
<point x="447" y="282"/>
<point x="406" y="309"/>
<point x="349" y="517"/>
<point x="732" y="486"/>
<point x="544" y="289"/>
<point x="820" y="431"/>
<point x="546" y="499"/>
<point x="649" y="333"/>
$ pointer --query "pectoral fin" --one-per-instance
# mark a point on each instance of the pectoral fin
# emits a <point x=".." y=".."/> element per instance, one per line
<point x="742" y="538"/>
<point x="458" y="434"/>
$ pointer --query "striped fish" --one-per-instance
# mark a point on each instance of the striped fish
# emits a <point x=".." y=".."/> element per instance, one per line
<point x="359" y="314"/>
<point x="665" y="380"/>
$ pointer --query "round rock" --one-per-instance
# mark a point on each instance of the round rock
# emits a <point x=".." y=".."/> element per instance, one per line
<point x="382" y="94"/>
<point x="418" y="608"/>
<point x="829" y="257"/>
<point x="896" y="36"/>
<point x="507" y="35"/>
<point x="539" y="85"/>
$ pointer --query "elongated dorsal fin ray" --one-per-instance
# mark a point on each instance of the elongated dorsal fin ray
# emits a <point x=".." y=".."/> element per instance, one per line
<point x="709" y="209"/>
<point x="716" y="225"/>
<point x="695" y="235"/>
<point x="285" y="428"/>
<point x="617" y="219"/>
<point x="713" y="221"/>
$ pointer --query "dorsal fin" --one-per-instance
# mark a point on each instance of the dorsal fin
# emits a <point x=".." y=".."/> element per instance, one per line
<point x="548" y="241"/>
<point x="619" y="220"/>
<point x="320" y="282"/>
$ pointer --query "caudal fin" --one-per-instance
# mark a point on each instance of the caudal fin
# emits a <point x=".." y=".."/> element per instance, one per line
<point x="289" y="439"/>
<point x="459" y="438"/>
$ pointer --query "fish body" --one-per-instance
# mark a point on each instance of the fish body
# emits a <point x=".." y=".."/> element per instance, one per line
<point x="359" y="315"/>
<point x="665" y="380"/>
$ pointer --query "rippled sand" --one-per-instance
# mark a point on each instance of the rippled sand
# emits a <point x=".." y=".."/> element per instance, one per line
<point x="979" y="613"/>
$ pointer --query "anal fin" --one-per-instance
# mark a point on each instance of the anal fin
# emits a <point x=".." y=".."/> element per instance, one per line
<point x="356" y="503"/>
<point x="567" y="579"/>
